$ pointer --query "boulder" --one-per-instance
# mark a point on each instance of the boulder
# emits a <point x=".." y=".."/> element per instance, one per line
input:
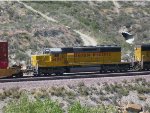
<point x="134" y="108"/>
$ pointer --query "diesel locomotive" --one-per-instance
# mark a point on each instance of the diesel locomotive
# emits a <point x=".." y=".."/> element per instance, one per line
<point x="65" y="60"/>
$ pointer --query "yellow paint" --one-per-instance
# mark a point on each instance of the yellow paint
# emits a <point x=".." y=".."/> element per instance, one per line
<point x="48" y="60"/>
<point x="72" y="59"/>
<point x="94" y="58"/>
<point x="139" y="55"/>
<point x="146" y="55"/>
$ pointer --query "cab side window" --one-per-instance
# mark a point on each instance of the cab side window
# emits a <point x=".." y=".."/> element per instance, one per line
<point x="56" y="55"/>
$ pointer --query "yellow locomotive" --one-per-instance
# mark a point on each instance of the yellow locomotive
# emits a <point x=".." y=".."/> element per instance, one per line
<point x="72" y="59"/>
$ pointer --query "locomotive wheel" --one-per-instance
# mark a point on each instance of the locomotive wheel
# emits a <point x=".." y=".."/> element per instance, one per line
<point x="58" y="73"/>
<point x="20" y="74"/>
<point x="46" y="74"/>
<point x="122" y="70"/>
<point x="112" y="71"/>
<point x="101" y="71"/>
<point x="35" y="75"/>
<point x="105" y="71"/>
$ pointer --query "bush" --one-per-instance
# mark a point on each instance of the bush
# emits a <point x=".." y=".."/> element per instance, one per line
<point x="21" y="56"/>
<point x="104" y="109"/>
<point x="83" y="91"/>
<point x="70" y="94"/>
<point x="142" y="89"/>
<point x="45" y="105"/>
<point x="14" y="92"/>
<point x="41" y="94"/>
<point x="58" y="91"/>
<point x="77" y="108"/>
<point x="123" y="92"/>
<point x="24" y="105"/>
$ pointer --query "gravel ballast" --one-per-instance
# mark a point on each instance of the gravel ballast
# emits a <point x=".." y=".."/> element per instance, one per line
<point x="87" y="81"/>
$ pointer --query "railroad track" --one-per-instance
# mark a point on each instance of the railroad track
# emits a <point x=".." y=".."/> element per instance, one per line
<point x="74" y="76"/>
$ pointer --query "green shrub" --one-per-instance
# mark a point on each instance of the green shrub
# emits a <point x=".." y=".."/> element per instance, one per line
<point x="80" y="84"/>
<point x="41" y="94"/>
<point x="70" y="94"/>
<point x="123" y="91"/>
<point x="104" y="109"/>
<point x="58" y="91"/>
<point x="83" y="91"/>
<point x="14" y="92"/>
<point x="24" y="105"/>
<point x="106" y="87"/>
<point x="103" y="98"/>
<point x="142" y="89"/>
<point x="2" y="96"/>
<point x="78" y="108"/>
<point x="21" y="55"/>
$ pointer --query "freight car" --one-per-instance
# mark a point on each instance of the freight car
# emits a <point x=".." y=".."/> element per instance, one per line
<point x="72" y="59"/>
<point x="5" y="70"/>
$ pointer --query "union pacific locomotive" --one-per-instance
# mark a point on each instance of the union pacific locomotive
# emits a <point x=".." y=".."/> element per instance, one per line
<point x="104" y="58"/>
<point x="61" y="60"/>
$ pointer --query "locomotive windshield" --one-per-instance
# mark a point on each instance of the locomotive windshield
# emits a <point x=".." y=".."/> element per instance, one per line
<point x="52" y="50"/>
<point x="46" y="51"/>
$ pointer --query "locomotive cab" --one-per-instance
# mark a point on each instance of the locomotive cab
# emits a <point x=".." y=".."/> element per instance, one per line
<point x="51" y="61"/>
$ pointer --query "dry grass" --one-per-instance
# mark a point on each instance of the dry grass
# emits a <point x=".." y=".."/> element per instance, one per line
<point x="14" y="92"/>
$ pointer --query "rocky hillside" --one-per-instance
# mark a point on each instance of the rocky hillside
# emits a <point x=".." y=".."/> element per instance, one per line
<point x="31" y="26"/>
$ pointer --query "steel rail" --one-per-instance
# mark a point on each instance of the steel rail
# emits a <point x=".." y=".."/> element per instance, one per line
<point x="74" y="76"/>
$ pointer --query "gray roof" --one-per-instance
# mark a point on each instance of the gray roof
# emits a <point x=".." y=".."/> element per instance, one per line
<point x="100" y="48"/>
<point x="52" y="50"/>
